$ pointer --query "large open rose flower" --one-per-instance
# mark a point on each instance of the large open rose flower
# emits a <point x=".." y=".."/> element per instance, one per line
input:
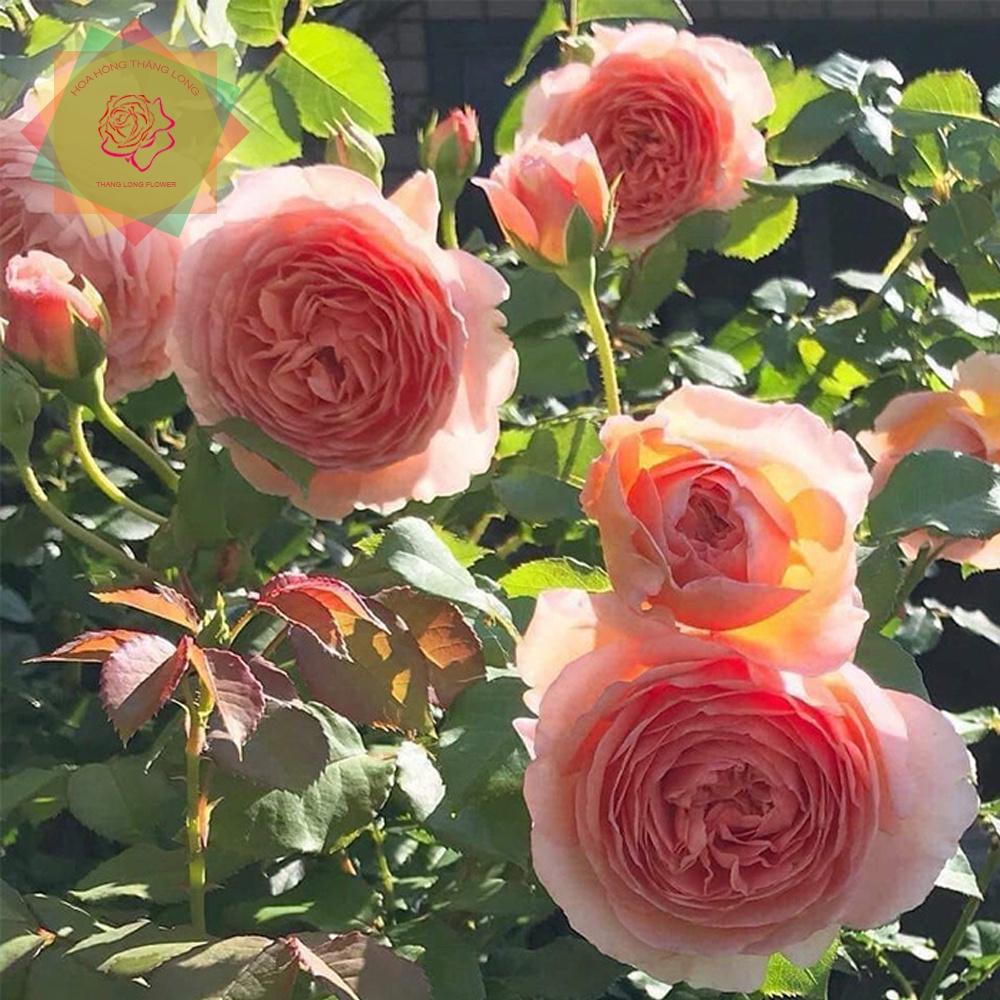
<point x="965" y="419"/>
<point x="693" y="812"/>
<point x="135" y="128"/>
<point x="327" y="316"/>
<point x="737" y="518"/>
<point x="672" y="114"/>
<point x="136" y="280"/>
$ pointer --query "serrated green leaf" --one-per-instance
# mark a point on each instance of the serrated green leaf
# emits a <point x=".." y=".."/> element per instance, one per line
<point x="268" y="113"/>
<point x="300" y="470"/>
<point x="889" y="665"/>
<point x="329" y="71"/>
<point x="509" y="123"/>
<point x="959" y="224"/>
<point x="958" y="876"/>
<point x="784" y="979"/>
<point x="758" y="226"/>
<point x="937" y="97"/>
<point x="656" y="10"/>
<point x="531" y="578"/>
<point x="550" y="21"/>
<point x="256" y="22"/>
<point x="653" y="278"/>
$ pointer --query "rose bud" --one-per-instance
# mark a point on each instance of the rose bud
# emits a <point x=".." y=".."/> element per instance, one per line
<point x="356" y="148"/>
<point x="551" y="201"/>
<point x="451" y="148"/>
<point x="55" y="323"/>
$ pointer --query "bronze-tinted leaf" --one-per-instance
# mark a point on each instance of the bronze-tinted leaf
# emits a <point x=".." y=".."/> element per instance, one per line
<point x="138" y="678"/>
<point x="322" y="604"/>
<point x="90" y="647"/>
<point x="161" y="601"/>
<point x="239" y="696"/>
<point x="444" y="637"/>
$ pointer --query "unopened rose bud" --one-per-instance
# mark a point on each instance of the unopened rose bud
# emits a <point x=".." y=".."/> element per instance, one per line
<point x="20" y="404"/>
<point x="54" y="323"/>
<point x="552" y="201"/>
<point x="353" y="147"/>
<point x="452" y="150"/>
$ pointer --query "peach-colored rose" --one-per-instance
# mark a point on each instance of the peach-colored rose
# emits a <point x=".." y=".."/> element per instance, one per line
<point x="136" y="281"/>
<point x="328" y="316"/>
<point x="737" y="518"/>
<point x="535" y="191"/>
<point x="672" y="114"/>
<point x="964" y="419"/>
<point x="693" y="812"/>
<point x="43" y="308"/>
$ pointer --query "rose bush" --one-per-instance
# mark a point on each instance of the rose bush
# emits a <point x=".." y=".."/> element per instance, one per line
<point x="549" y="609"/>
<point x="694" y="812"/>
<point x="328" y="317"/>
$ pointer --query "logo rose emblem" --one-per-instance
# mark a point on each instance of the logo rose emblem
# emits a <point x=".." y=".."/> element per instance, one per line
<point x="136" y="128"/>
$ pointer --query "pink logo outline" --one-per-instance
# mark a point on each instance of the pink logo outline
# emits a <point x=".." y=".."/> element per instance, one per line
<point x="153" y="138"/>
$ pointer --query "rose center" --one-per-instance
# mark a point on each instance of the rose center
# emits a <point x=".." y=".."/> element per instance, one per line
<point x="708" y="518"/>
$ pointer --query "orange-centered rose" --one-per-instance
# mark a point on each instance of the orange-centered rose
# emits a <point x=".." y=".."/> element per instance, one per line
<point x="670" y="113"/>
<point x="328" y="317"/>
<point x="136" y="128"/>
<point x="693" y="812"/>
<point x="737" y="518"/>
<point x="966" y="419"/>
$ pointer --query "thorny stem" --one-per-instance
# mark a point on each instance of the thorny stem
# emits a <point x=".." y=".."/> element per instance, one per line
<point x="197" y="837"/>
<point x="385" y="873"/>
<point x="958" y="934"/>
<point x="96" y="474"/>
<point x="74" y="529"/>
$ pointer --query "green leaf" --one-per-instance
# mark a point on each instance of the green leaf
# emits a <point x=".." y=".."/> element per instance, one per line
<point x="550" y="21"/>
<point x="256" y="22"/>
<point x="658" y="10"/>
<point x="889" y="665"/>
<point x="880" y="573"/>
<point x="958" y="876"/>
<point x="121" y="801"/>
<point x="784" y="296"/>
<point x="30" y="785"/>
<point x="297" y="468"/>
<point x="569" y="968"/>
<point x="538" y="299"/>
<point x="142" y="871"/>
<point x="950" y="492"/>
<point x="959" y="224"/>
<point x="45" y="33"/>
<point x="268" y="113"/>
<point x="653" y="278"/>
<point x="55" y="975"/>
<point x="809" y="117"/>
<point x="550" y="366"/>
<point x="784" y="979"/>
<point x="531" y="578"/>
<point x="842" y="71"/>
<point x="709" y="366"/>
<point x="329" y="71"/>
<point x="935" y="98"/>
<point x="328" y="814"/>
<point x="510" y="122"/>
<point x="542" y="484"/>
<point x="449" y="958"/>
<point x="13" y="607"/>
<point x="758" y="226"/>
<point x="977" y="622"/>
<point x="977" y="723"/>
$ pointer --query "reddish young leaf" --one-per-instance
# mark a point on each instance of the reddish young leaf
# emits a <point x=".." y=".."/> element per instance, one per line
<point x="138" y="678"/>
<point x="321" y="604"/>
<point x="239" y="696"/>
<point x="90" y="647"/>
<point x="161" y="601"/>
<point x="369" y="970"/>
<point x="277" y="685"/>
<point x="444" y="637"/>
<point x="314" y="966"/>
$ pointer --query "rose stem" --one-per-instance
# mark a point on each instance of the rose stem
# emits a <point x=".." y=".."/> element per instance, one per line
<point x="198" y="714"/>
<point x="72" y="528"/>
<point x="128" y="437"/>
<point x="449" y="231"/>
<point x="958" y="934"/>
<point x="385" y="872"/>
<point x="97" y="475"/>
<point x="602" y="340"/>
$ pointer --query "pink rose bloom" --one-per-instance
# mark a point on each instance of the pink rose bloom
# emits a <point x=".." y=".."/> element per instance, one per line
<point x="736" y="518"/>
<point x="672" y="114"/>
<point x="43" y="308"/>
<point x="135" y="281"/>
<point x="535" y="191"/>
<point x="693" y="812"/>
<point x="329" y="317"/>
<point x="966" y="419"/>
